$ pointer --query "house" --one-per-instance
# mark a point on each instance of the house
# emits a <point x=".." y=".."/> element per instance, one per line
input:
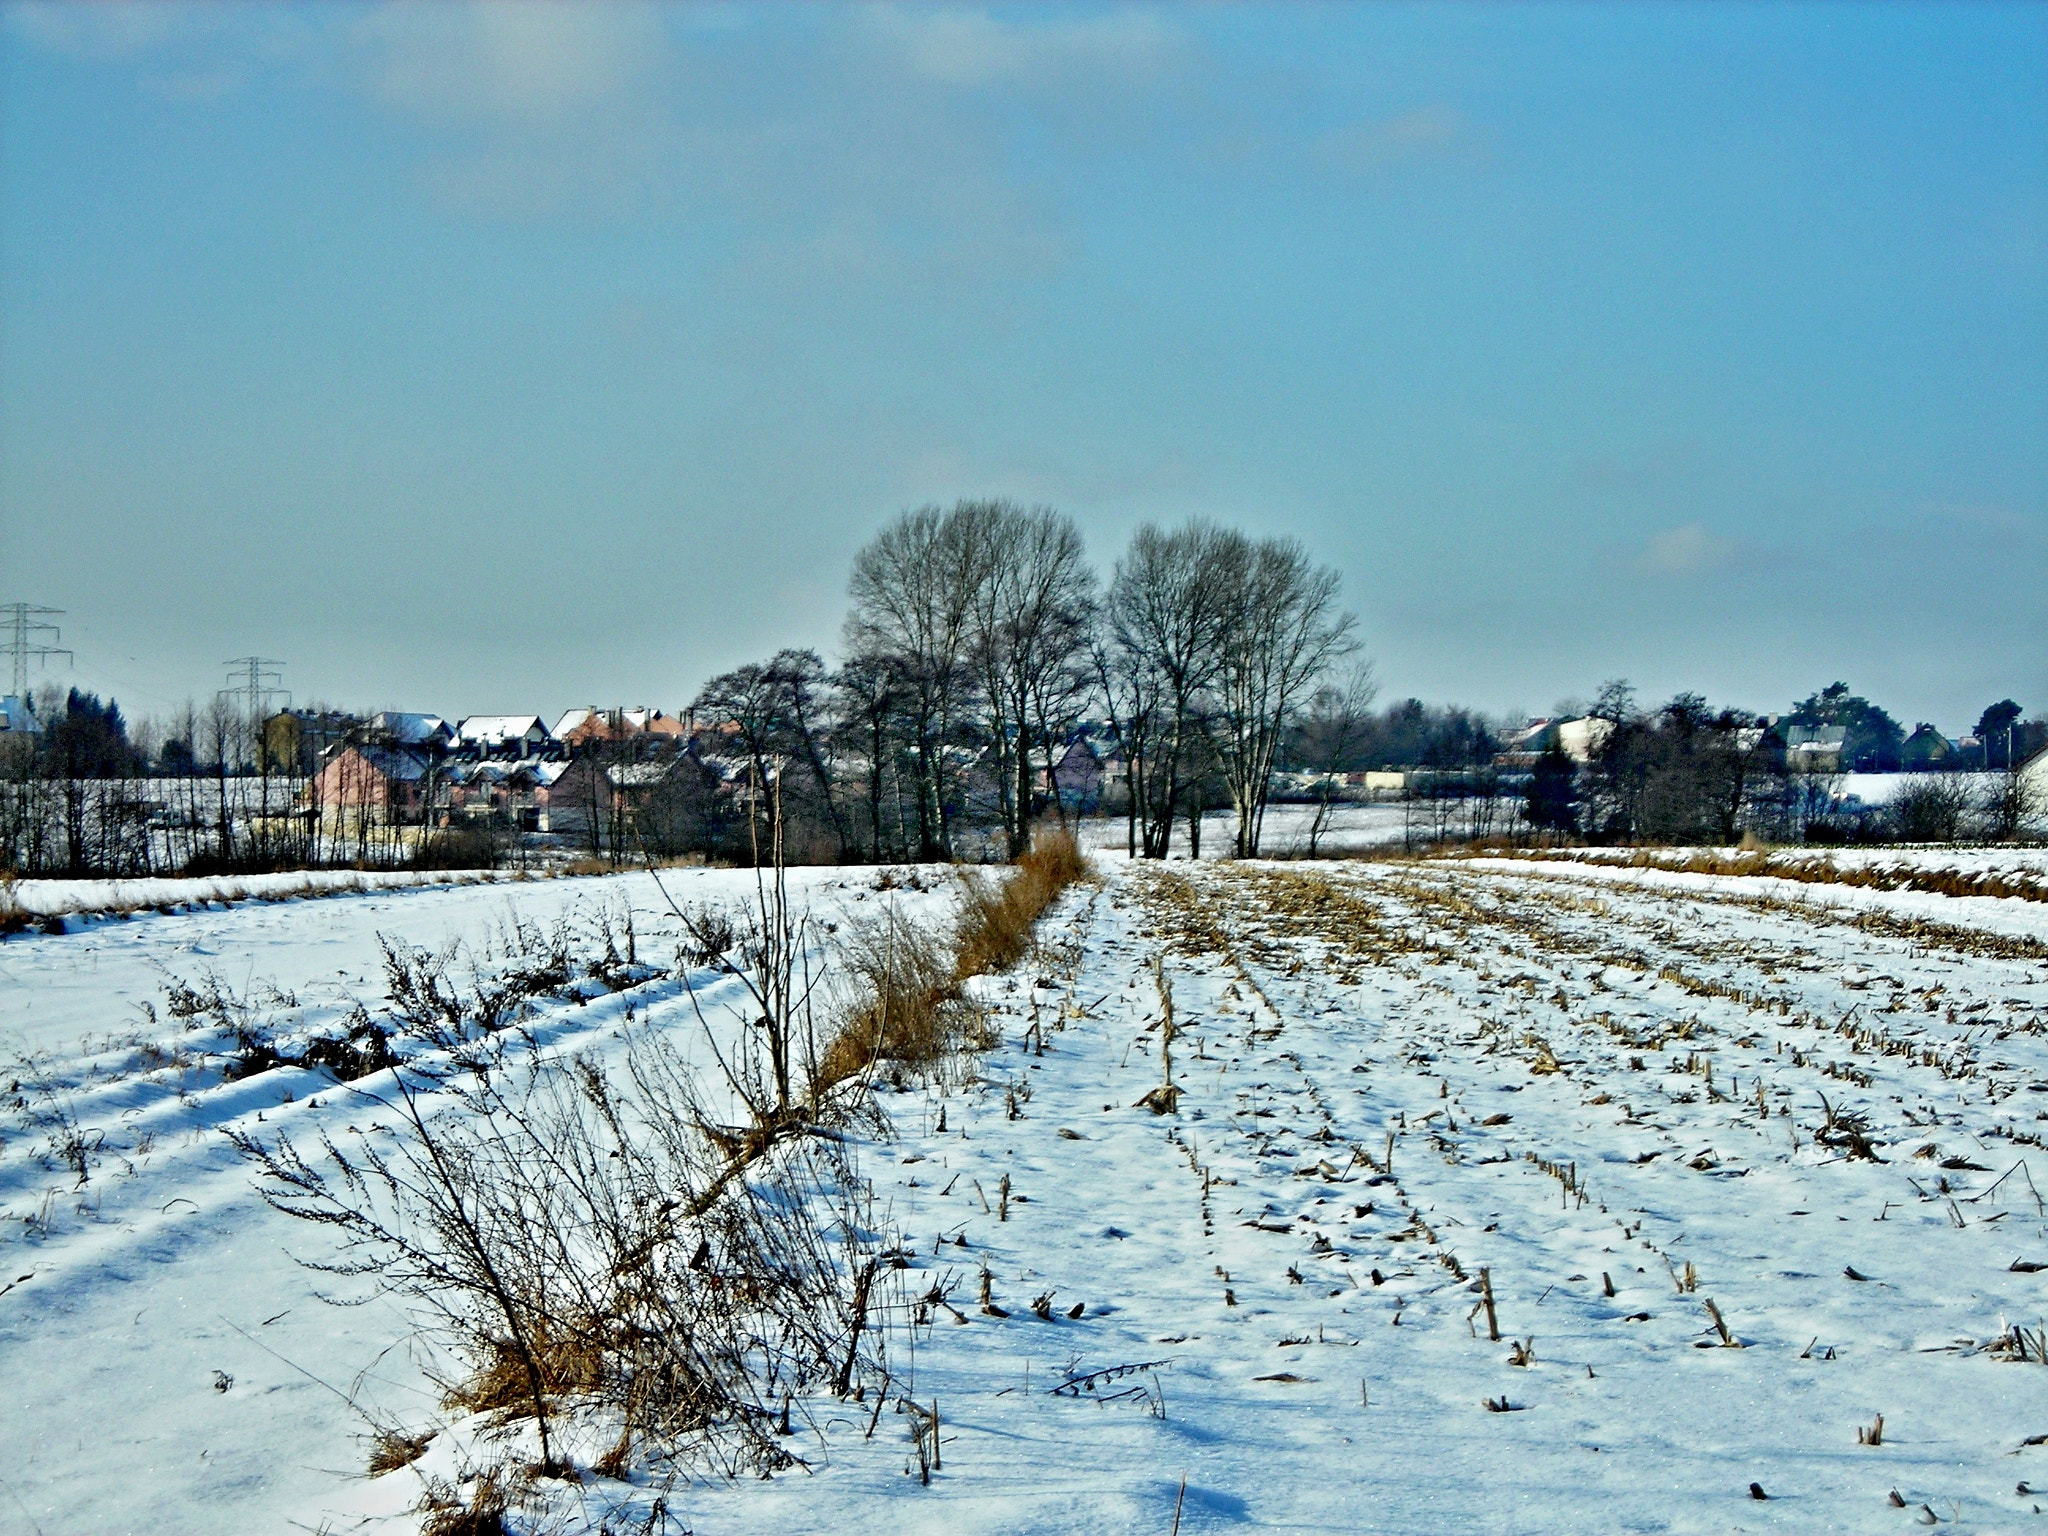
<point x="18" y="717"/>
<point x="370" y="777"/>
<point x="518" y="791"/>
<point x="1580" y="738"/>
<point x="1813" y="748"/>
<point x="1927" y="750"/>
<point x="1075" y="775"/>
<point x="2033" y="776"/>
<point x="1583" y="738"/>
<point x="579" y="727"/>
<point x="513" y="736"/>
<point x="424" y="733"/>
<point x="581" y="796"/>
<point x="1763" y="745"/>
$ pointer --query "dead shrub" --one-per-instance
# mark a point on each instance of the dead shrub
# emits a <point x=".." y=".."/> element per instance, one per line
<point x="587" y="1246"/>
<point x="911" y="1008"/>
<point x="1931" y="808"/>
<point x="482" y="1515"/>
<point x="994" y="931"/>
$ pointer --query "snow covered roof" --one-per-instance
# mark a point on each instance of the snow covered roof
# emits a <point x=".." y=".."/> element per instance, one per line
<point x="410" y="730"/>
<point x="493" y="730"/>
<point x="627" y="721"/>
<point x="1814" y="735"/>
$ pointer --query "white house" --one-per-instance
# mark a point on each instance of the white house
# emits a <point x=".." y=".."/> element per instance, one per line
<point x="1580" y="738"/>
<point x="503" y="735"/>
<point x="2034" y="786"/>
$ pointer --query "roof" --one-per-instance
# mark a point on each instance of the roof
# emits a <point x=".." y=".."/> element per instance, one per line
<point x="395" y="763"/>
<point x="408" y="729"/>
<point x="627" y="721"/>
<point x="492" y="729"/>
<point x="1815" y="735"/>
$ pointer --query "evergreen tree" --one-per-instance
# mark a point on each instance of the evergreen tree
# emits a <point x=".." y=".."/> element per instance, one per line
<point x="1552" y="799"/>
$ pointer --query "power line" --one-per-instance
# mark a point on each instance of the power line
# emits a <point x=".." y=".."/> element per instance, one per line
<point x="25" y="629"/>
<point x="255" y="679"/>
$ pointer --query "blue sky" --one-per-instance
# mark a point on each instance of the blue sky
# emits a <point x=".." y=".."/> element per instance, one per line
<point x="507" y="357"/>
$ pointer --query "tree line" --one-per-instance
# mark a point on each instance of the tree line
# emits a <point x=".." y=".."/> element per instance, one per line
<point x="991" y="676"/>
<point x="1689" y="772"/>
<point x="978" y="641"/>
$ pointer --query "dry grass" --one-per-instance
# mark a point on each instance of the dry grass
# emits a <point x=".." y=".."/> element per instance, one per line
<point x="482" y="1515"/>
<point x="392" y="1448"/>
<point x="1757" y="859"/>
<point x="995" y="928"/>
<point x="913" y="1010"/>
<point x="571" y="1361"/>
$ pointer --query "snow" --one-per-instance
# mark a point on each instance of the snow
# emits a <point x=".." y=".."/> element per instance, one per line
<point x="496" y="730"/>
<point x="165" y="1268"/>
<point x="1352" y="828"/>
<point x="2021" y="917"/>
<point x="1883" y="788"/>
<point x="2031" y="862"/>
<point x="54" y="898"/>
<point x="1532" y="1040"/>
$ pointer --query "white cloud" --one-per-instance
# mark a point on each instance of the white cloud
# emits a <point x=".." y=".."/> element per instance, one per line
<point x="189" y="54"/>
<point x="1684" y="551"/>
<point x="529" y="107"/>
<point x="1427" y="133"/>
<point x="510" y="61"/>
<point x="115" y="30"/>
<point x="969" y="47"/>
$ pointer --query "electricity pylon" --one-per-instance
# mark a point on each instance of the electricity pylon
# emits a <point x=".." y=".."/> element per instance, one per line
<point x="23" y="625"/>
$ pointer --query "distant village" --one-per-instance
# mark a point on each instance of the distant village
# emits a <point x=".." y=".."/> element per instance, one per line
<point x="319" y="785"/>
<point x="569" y="777"/>
<point x="992" y="679"/>
<point x="555" y="779"/>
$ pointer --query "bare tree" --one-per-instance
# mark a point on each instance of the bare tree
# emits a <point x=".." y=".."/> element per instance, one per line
<point x="224" y="733"/>
<point x="1333" y="728"/>
<point x="1284" y="631"/>
<point x="1170" y="604"/>
<point x="912" y="590"/>
<point x="868" y="695"/>
<point x="1032" y="609"/>
<point x="777" y="712"/>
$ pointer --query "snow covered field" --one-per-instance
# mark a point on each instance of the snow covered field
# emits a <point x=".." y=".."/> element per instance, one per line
<point x="1740" y="1170"/>
<point x="61" y="898"/>
<point x="1352" y="828"/>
